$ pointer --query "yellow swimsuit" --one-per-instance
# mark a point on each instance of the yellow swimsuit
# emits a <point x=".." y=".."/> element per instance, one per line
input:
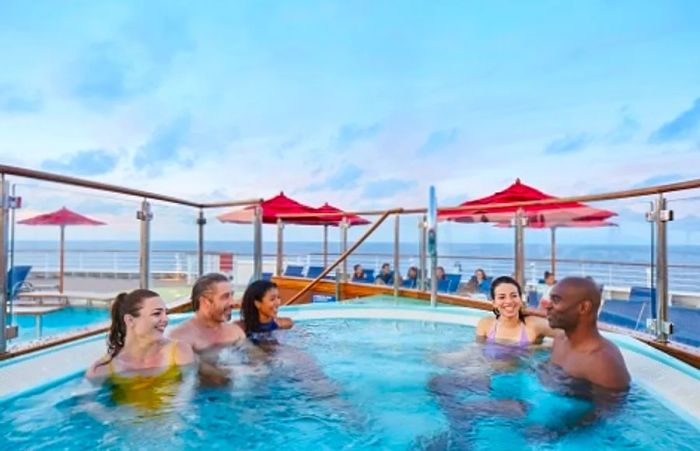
<point x="147" y="392"/>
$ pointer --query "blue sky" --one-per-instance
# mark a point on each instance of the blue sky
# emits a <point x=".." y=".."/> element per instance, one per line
<point x="362" y="104"/>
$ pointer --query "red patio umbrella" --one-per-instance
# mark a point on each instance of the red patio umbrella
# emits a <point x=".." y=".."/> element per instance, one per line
<point x="331" y="216"/>
<point x="271" y="209"/>
<point x="560" y="212"/>
<point x="62" y="218"/>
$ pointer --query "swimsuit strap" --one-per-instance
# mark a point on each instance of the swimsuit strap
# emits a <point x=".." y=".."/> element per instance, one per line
<point x="491" y="335"/>
<point x="524" y="339"/>
<point x="110" y="366"/>
<point x="173" y="353"/>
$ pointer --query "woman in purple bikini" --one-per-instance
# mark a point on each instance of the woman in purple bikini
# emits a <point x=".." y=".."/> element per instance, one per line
<point x="510" y="326"/>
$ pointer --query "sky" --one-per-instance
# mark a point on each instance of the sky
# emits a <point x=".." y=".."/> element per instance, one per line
<point x="362" y="104"/>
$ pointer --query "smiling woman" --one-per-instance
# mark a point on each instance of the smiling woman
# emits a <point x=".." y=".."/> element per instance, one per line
<point x="136" y="342"/>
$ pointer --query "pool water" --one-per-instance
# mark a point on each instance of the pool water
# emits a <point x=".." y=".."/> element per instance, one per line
<point x="59" y="322"/>
<point x="352" y="384"/>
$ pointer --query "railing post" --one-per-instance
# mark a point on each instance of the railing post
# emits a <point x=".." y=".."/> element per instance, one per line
<point x="325" y="245"/>
<point x="201" y="221"/>
<point x="4" y="214"/>
<point x="432" y="244"/>
<point x="145" y="216"/>
<point x="422" y="230"/>
<point x="397" y="253"/>
<point x="661" y="215"/>
<point x="520" y="222"/>
<point x="257" y="244"/>
<point x="280" y="247"/>
<point x="344" y="244"/>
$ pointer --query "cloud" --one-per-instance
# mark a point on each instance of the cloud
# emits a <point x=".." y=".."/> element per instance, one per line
<point x="12" y="100"/>
<point x="659" y="180"/>
<point x="439" y="140"/>
<point x="132" y="63"/>
<point x="350" y="133"/>
<point x="84" y="162"/>
<point x="624" y="132"/>
<point x="345" y="178"/>
<point x="682" y="127"/>
<point x="388" y="187"/>
<point x="568" y="144"/>
<point x="166" y="146"/>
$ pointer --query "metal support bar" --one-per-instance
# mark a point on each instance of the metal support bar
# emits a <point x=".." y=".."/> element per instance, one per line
<point x="520" y="222"/>
<point x="661" y="215"/>
<point x="145" y="216"/>
<point x="344" y="244"/>
<point x="423" y="251"/>
<point x="553" y="250"/>
<point x="432" y="244"/>
<point x="280" y="247"/>
<point x="397" y="251"/>
<point x="325" y="245"/>
<point x="201" y="221"/>
<point x="4" y="214"/>
<point x="257" y="243"/>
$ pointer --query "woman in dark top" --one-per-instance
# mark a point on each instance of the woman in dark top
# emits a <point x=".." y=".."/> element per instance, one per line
<point x="261" y="301"/>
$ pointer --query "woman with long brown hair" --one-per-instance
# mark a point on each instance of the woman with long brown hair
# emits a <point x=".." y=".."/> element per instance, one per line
<point x="139" y="358"/>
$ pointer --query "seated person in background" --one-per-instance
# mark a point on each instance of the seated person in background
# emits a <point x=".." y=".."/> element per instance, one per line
<point x="412" y="276"/>
<point x="261" y="301"/>
<point x="581" y="352"/>
<point x="385" y="276"/>
<point x="510" y="325"/>
<point x="549" y="281"/>
<point x="212" y="302"/>
<point x="440" y="273"/>
<point x="358" y="273"/>
<point x="479" y="282"/>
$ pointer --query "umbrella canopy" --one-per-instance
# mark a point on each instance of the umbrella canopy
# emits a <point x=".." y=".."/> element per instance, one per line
<point x="555" y="213"/>
<point x="62" y="218"/>
<point x="331" y="216"/>
<point x="271" y="209"/>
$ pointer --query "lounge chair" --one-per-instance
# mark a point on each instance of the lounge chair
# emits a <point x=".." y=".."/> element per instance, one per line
<point x="455" y="280"/>
<point x="314" y="271"/>
<point x="294" y="271"/>
<point x="444" y="285"/>
<point x="409" y="283"/>
<point x="17" y="280"/>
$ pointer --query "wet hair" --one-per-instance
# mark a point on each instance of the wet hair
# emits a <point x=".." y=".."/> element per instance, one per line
<point x="124" y="304"/>
<point x="249" y="311"/>
<point x="204" y="285"/>
<point x="506" y="280"/>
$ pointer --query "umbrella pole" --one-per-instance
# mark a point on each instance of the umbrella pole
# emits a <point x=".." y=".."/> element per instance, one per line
<point x="519" y="247"/>
<point x="61" y="259"/>
<point x="325" y="245"/>
<point x="553" y="246"/>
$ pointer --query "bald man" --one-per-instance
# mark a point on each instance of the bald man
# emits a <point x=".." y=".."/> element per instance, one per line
<point x="581" y="351"/>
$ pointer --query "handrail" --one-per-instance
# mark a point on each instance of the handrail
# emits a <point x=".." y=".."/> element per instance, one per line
<point x="74" y="181"/>
<point x="344" y="256"/>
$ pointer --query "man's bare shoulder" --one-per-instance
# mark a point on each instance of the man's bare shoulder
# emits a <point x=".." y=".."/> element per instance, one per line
<point x="234" y="330"/>
<point x="182" y="330"/>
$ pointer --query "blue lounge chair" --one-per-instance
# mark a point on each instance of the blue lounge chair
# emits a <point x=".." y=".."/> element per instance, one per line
<point x="685" y="325"/>
<point x="16" y="280"/>
<point x="314" y="271"/>
<point x="444" y="285"/>
<point x="454" y="279"/>
<point x="629" y="314"/>
<point x="294" y="271"/>
<point x="409" y="283"/>
<point x="266" y="276"/>
<point x="642" y="294"/>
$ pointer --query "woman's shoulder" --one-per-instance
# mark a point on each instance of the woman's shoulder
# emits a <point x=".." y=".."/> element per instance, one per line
<point x="99" y="369"/>
<point x="182" y="351"/>
<point x="484" y="325"/>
